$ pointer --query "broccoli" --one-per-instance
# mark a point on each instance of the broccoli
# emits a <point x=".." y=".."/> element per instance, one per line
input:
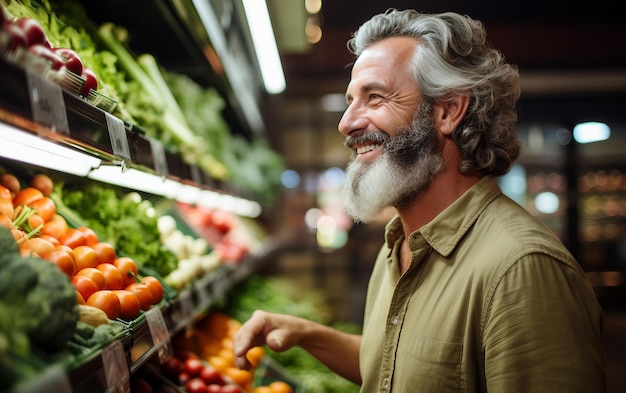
<point x="37" y="301"/>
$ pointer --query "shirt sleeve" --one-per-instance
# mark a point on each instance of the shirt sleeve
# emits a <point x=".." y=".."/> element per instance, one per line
<point x="543" y="330"/>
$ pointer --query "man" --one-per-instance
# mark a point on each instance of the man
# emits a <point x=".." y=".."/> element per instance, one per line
<point x="469" y="292"/>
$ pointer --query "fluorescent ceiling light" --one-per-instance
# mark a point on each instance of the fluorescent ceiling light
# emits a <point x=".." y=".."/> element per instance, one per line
<point x="135" y="179"/>
<point x="19" y="145"/>
<point x="591" y="132"/>
<point x="265" y="45"/>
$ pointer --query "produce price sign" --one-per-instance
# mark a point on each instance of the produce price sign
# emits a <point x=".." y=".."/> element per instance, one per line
<point x="115" y="367"/>
<point x="46" y="102"/>
<point x="186" y="305"/>
<point x="160" y="334"/>
<point x="117" y="134"/>
<point x="204" y="298"/>
<point x="158" y="155"/>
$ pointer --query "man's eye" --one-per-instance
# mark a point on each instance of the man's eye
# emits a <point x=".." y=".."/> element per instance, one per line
<point x="374" y="97"/>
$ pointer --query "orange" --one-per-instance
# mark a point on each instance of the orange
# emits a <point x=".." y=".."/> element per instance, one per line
<point x="241" y="377"/>
<point x="280" y="387"/>
<point x="262" y="389"/>
<point x="219" y="363"/>
<point x="254" y="355"/>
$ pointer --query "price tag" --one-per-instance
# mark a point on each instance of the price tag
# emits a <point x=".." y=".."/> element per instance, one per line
<point x="196" y="176"/>
<point x="46" y="103"/>
<point x="117" y="134"/>
<point x="115" y="367"/>
<point x="159" y="332"/>
<point x="158" y="155"/>
<point x="204" y="298"/>
<point x="53" y="379"/>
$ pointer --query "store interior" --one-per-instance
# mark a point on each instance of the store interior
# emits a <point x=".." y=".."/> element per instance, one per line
<point x="572" y="61"/>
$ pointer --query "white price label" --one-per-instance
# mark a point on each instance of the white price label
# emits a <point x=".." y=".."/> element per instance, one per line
<point x="186" y="305"/>
<point x="47" y="104"/>
<point x="115" y="366"/>
<point x="159" y="158"/>
<point x="117" y="134"/>
<point x="160" y="333"/>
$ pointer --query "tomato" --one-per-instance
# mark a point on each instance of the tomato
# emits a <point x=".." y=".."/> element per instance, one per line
<point x="193" y="366"/>
<point x="231" y="389"/>
<point x="79" y="298"/>
<point x="6" y="221"/>
<point x="84" y="257"/>
<point x="143" y="293"/>
<point x="105" y="251"/>
<point x="35" y="221"/>
<point x="96" y="275"/>
<point x="11" y="182"/>
<point x="45" y="207"/>
<point x="140" y="385"/>
<point x="129" y="302"/>
<point x="195" y="385"/>
<point x="55" y="227"/>
<point x="214" y="388"/>
<point x="64" y="261"/>
<point x="84" y="285"/>
<point x="172" y="368"/>
<point x="155" y="286"/>
<point x="38" y="245"/>
<point x="6" y="207"/>
<point x="112" y="276"/>
<point x="211" y="375"/>
<point x="106" y="301"/>
<point x="129" y="269"/>
<point x="73" y="238"/>
<point x="26" y="196"/>
<point x="5" y="193"/>
<point x="90" y="236"/>
<point x="43" y="183"/>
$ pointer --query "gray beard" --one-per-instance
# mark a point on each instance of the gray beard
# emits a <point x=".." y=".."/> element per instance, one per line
<point x="406" y="167"/>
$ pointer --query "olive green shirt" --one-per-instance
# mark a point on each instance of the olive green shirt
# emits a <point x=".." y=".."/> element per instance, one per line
<point x="492" y="302"/>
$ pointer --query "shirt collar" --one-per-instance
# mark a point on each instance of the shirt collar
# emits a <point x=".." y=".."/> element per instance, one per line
<point x="445" y="231"/>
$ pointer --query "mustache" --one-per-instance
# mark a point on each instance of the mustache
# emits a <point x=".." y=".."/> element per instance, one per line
<point x="368" y="137"/>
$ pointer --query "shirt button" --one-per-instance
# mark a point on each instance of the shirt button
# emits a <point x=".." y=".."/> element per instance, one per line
<point x="385" y="383"/>
<point x="395" y="320"/>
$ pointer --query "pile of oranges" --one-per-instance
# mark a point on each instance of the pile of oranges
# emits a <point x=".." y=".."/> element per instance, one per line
<point x="212" y="339"/>
<point x="102" y="278"/>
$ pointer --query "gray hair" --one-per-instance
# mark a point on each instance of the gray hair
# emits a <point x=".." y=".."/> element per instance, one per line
<point x="454" y="57"/>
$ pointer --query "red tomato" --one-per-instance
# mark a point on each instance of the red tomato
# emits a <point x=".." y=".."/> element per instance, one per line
<point x="64" y="261"/>
<point x="214" y="388"/>
<point x="96" y="275"/>
<point x="193" y="366"/>
<point x="155" y="286"/>
<point x="211" y="375"/>
<point x="112" y="276"/>
<point x="195" y="385"/>
<point x="231" y="389"/>
<point x="172" y="368"/>
<point x="106" y="252"/>
<point x="130" y="308"/>
<point x="84" y="285"/>
<point x="55" y="227"/>
<point x="45" y="207"/>
<point x="129" y="269"/>
<point x="140" y="385"/>
<point x="73" y="238"/>
<point x="26" y="196"/>
<point x="106" y="301"/>
<point x="90" y="236"/>
<point x="84" y="257"/>
<point x="143" y="293"/>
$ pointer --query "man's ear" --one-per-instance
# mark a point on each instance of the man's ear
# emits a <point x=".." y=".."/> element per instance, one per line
<point x="449" y="112"/>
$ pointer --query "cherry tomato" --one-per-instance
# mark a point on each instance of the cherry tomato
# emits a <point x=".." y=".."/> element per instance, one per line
<point x="106" y="301"/>
<point x="43" y="183"/>
<point x="105" y="251"/>
<point x="84" y="257"/>
<point x="172" y="368"/>
<point x="26" y="196"/>
<point x="193" y="366"/>
<point x="112" y="276"/>
<point x="45" y="207"/>
<point x="195" y="385"/>
<point x="84" y="285"/>
<point x="129" y="302"/>
<point x="96" y="275"/>
<point x="129" y="269"/>
<point x="143" y="293"/>
<point x="155" y="286"/>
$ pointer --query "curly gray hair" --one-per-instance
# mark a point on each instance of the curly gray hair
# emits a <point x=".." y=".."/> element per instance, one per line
<point x="454" y="57"/>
